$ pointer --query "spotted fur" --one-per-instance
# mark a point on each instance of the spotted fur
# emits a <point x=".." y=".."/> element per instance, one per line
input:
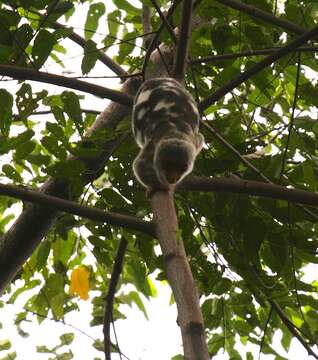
<point x="165" y="124"/>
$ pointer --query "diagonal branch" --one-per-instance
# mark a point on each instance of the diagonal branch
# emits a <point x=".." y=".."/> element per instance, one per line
<point x="111" y="64"/>
<point x="155" y="39"/>
<point x="164" y="20"/>
<point x="263" y="15"/>
<point x="291" y="327"/>
<point x="248" y="164"/>
<point x="179" y="67"/>
<point x="71" y="207"/>
<point x="241" y="78"/>
<point x="21" y="73"/>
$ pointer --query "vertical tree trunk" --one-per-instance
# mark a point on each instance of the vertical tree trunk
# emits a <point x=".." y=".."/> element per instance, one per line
<point x="180" y="277"/>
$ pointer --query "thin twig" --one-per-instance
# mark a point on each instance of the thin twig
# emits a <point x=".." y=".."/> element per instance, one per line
<point x="218" y="136"/>
<point x="179" y="67"/>
<point x="264" y="332"/>
<point x="109" y="299"/>
<point x="109" y="62"/>
<point x="218" y="58"/>
<point x="164" y="21"/>
<point x="241" y="78"/>
<point x="263" y="15"/>
<point x="146" y="24"/>
<point x="292" y="116"/>
<point x="292" y="258"/>
<point x="155" y="39"/>
<point x="291" y="327"/>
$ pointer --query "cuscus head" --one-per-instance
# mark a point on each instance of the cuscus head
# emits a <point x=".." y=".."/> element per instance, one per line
<point x="173" y="160"/>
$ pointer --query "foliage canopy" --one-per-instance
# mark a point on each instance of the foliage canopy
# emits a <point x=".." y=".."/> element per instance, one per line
<point x="248" y="254"/>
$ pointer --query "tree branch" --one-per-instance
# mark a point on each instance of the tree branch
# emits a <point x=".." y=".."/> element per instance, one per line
<point x="232" y="149"/>
<point x="217" y="58"/>
<point x="110" y="63"/>
<point x="249" y="187"/>
<point x="155" y="39"/>
<point x="21" y="73"/>
<point x="180" y="277"/>
<point x="257" y="68"/>
<point x="164" y="21"/>
<point x="291" y="327"/>
<point x="179" y="67"/>
<point x="263" y="15"/>
<point x="71" y="207"/>
<point x="146" y="24"/>
<point x="292" y="118"/>
<point x="109" y="298"/>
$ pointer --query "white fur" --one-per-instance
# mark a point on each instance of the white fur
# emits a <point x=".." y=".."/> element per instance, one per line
<point x="141" y="113"/>
<point x="143" y="96"/>
<point x="163" y="105"/>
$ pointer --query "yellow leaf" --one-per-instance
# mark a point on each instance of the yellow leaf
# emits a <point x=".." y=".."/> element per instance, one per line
<point x="80" y="282"/>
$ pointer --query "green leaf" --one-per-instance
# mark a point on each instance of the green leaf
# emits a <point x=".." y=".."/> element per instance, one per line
<point x="113" y="199"/>
<point x="52" y="145"/>
<point x="65" y="356"/>
<point x="10" y="356"/>
<point x="24" y="150"/>
<point x="253" y="236"/>
<point x="27" y="101"/>
<point x="5" y="344"/>
<point x="58" y="114"/>
<point x="43" y="254"/>
<point x="222" y="286"/>
<point x="91" y="55"/>
<point x="23" y="36"/>
<point x="133" y="297"/>
<point x="215" y="343"/>
<point x="95" y="12"/>
<point x="127" y="6"/>
<point x="12" y="173"/>
<point x="127" y="45"/>
<point x="66" y="169"/>
<point x="43" y="45"/>
<point x="177" y="357"/>
<point x="67" y="339"/>
<point x="73" y="109"/>
<point x="54" y="290"/>
<point x="114" y="21"/>
<point x="6" y="103"/>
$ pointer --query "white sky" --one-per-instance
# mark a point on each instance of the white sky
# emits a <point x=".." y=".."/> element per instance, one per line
<point x="139" y="339"/>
